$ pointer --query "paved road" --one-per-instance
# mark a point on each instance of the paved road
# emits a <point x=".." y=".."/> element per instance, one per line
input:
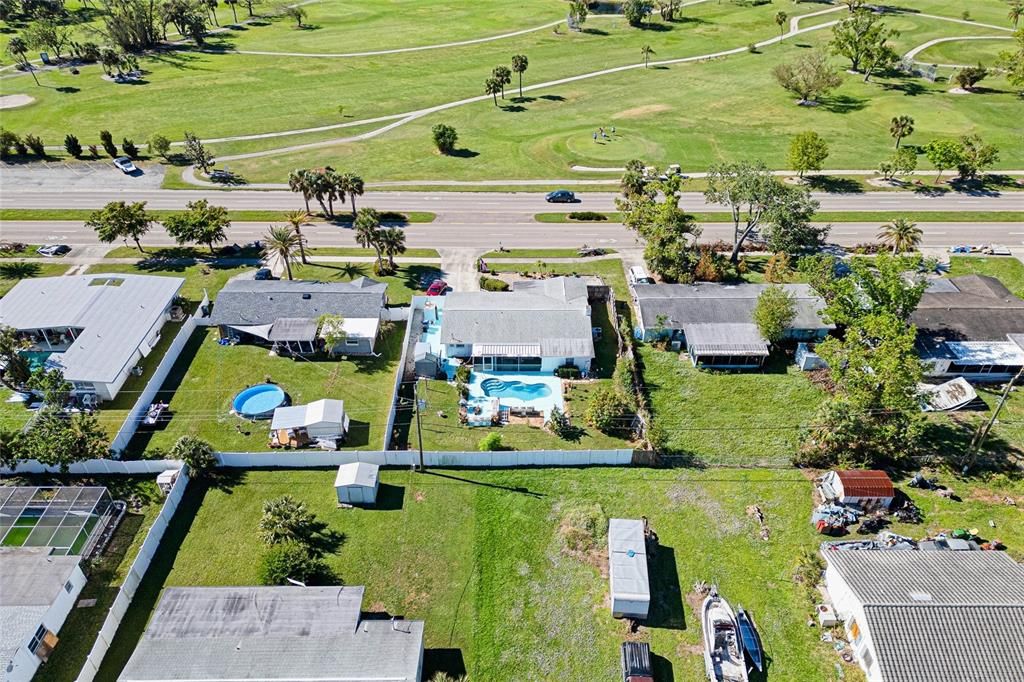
<point x="486" y="236"/>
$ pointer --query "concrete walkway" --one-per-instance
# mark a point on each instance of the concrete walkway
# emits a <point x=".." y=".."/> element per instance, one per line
<point x="924" y="46"/>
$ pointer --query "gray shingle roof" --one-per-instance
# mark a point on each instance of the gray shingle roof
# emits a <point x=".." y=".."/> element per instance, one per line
<point x="243" y="303"/>
<point x="946" y="643"/>
<point x="273" y="633"/>
<point x="969" y="308"/>
<point x="725" y="339"/>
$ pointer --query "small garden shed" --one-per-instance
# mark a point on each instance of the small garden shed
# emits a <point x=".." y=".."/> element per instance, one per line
<point x="357" y="483"/>
<point x="627" y="569"/>
<point x="867" y="489"/>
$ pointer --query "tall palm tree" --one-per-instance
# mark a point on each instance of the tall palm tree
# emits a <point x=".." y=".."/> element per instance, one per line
<point x="331" y="185"/>
<point x="780" y="20"/>
<point x="519" y="64"/>
<point x="320" y="187"/>
<point x="900" y="127"/>
<point x="1016" y="12"/>
<point x="354" y="185"/>
<point x="211" y="6"/>
<point x="492" y="86"/>
<point x="367" y="231"/>
<point x="298" y="181"/>
<point x="281" y="242"/>
<point x="901" y="235"/>
<point x="297" y="219"/>
<point x="646" y="51"/>
<point x="392" y="243"/>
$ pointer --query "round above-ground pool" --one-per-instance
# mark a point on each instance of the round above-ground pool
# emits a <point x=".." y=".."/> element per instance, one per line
<point x="259" y="401"/>
<point x="499" y="388"/>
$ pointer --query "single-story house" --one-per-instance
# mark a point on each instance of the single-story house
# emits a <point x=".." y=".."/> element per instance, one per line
<point x="536" y="328"/>
<point x="970" y="326"/>
<point x="324" y="418"/>
<point x="627" y="569"/>
<point x="273" y="634"/>
<point x="868" y="489"/>
<point x="357" y="483"/>
<point x="93" y="328"/>
<point x="287" y="315"/>
<point x="914" y="616"/>
<point x="714" y="322"/>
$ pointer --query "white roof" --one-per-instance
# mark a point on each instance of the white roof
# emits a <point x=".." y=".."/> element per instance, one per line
<point x="114" y="312"/>
<point x="323" y="411"/>
<point x="986" y="352"/>
<point x="627" y="559"/>
<point x="357" y="473"/>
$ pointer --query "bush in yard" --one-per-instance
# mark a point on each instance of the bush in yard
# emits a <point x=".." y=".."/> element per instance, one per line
<point x="589" y="216"/>
<point x="160" y="145"/>
<point x="130" y="150"/>
<point x="89" y="52"/>
<point x="493" y="284"/>
<point x="568" y="372"/>
<point x="107" y="140"/>
<point x="290" y="560"/>
<point x="622" y="379"/>
<point x="8" y="142"/>
<point x="491" y="443"/>
<point x="35" y="145"/>
<point x="286" y="519"/>
<point x="72" y="146"/>
<point x="607" y="411"/>
<point x="462" y="380"/>
<point x="196" y="453"/>
<point x="445" y="138"/>
<point x="778" y="270"/>
<point x="969" y="76"/>
<point x="559" y="424"/>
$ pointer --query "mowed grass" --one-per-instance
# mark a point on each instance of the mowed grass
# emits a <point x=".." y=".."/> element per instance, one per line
<point x="477" y="556"/>
<point x="199" y="277"/>
<point x="12" y="272"/>
<point x="610" y="270"/>
<point x="964" y="52"/>
<point x="1008" y="270"/>
<point x="402" y="285"/>
<point x="207" y="376"/>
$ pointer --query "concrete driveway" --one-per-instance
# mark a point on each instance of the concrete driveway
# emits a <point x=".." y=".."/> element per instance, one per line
<point x="93" y="175"/>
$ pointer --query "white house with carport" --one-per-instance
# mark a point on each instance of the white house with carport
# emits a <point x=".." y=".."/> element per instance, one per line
<point x="930" y="616"/>
<point x="972" y="327"/>
<point x="537" y="327"/>
<point x="93" y="328"/>
<point x="714" y="322"/>
<point x="288" y="316"/>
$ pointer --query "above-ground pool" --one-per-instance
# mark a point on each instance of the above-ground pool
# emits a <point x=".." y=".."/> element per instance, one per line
<point x="501" y="388"/>
<point x="259" y="401"/>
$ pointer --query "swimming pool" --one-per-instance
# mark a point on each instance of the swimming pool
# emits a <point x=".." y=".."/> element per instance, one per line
<point x="504" y="388"/>
<point x="36" y="359"/>
<point x="259" y="401"/>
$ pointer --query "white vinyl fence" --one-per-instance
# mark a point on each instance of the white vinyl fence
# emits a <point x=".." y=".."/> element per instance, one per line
<point x="139" y="409"/>
<point x="510" y="458"/>
<point x="131" y="582"/>
<point x="93" y="467"/>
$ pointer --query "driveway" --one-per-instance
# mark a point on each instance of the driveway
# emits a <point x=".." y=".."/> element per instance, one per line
<point x="98" y="174"/>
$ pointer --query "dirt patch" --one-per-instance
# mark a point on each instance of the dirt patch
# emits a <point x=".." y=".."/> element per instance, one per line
<point x="640" y="112"/>
<point x="14" y="101"/>
<point x="959" y="91"/>
<point x="684" y="650"/>
<point x="724" y="522"/>
<point x="419" y="496"/>
<point x="991" y="497"/>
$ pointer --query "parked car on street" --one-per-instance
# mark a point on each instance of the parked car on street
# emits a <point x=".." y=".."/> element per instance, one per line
<point x="53" y="250"/>
<point x="437" y="288"/>
<point x="560" y="196"/>
<point x="125" y="165"/>
<point x="264" y="273"/>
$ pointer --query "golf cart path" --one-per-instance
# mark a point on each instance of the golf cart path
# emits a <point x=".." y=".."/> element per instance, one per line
<point x="924" y="46"/>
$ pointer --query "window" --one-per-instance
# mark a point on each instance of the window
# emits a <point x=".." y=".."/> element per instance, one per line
<point x="37" y="638"/>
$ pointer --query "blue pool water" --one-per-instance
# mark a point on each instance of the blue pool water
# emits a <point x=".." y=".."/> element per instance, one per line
<point x="36" y="359"/>
<point x="499" y="388"/>
<point x="258" y="402"/>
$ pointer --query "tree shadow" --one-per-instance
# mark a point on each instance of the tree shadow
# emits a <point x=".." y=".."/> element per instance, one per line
<point x="324" y="540"/>
<point x="834" y="185"/>
<point x="908" y="86"/>
<point x="447" y="661"/>
<point x="552" y="98"/>
<point x="68" y="89"/>
<point x="310" y="27"/>
<point x="655" y="27"/>
<point x="518" y="489"/>
<point x="524" y="100"/>
<point x="667" y="610"/>
<point x="594" y="32"/>
<point x="19" y="270"/>
<point x="844" y="104"/>
<point x="469" y="153"/>
<point x="513" y="108"/>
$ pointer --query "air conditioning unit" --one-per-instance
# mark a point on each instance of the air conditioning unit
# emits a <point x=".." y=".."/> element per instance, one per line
<point x="676" y="345"/>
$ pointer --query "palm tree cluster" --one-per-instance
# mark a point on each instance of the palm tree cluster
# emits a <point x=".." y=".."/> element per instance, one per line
<point x="326" y="185"/>
<point x="502" y="76"/>
<point x="387" y="242"/>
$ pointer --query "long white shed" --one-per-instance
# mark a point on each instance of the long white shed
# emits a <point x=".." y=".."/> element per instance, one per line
<point x="324" y="418"/>
<point x="627" y="569"/>
<point x="357" y="483"/>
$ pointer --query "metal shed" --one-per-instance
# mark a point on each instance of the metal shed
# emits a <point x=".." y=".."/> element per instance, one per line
<point x="357" y="483"/>
<point x="627" y="569"/>
<point x="324" y="418"/>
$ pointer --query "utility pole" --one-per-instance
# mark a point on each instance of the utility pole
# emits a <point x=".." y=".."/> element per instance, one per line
<point x="419" y="427"/>
<point x="982" y="433"/>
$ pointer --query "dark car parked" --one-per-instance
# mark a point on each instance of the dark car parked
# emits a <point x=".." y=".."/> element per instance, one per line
<point x="561" y="196"/>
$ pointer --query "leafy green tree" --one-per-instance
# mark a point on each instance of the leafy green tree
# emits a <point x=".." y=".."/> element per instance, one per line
<point x="559" y="424"/>
<point x="808" y="77"/>
<point x="445" y="138"/>
<point x="519" y="65"/>
<point x="250" y="4"/>
<point x="902" y="162"/>
<point x="1016" y="12"/>
<point x="286" y="519"/>
<point x="901" y="234"/>
<point x="107" y="140"/>
<point x="332" y="331"/>
<point x="969" y="76"/>
<point x="8" y="141"/>
<point x="291" y="560"/>
<point x="861" y="37"/>
<point x="787" y="227"/>
<point x="578" y="12"/>
<point x="492" y="86"/>
<point x="633" y="183"/>
<point x="774" y="311"/>
<point x="57" y="439"/>
<point x="807" y="152"/>
<point x="607" y="411"/>
<point x="48" y="33"/>
<point x="197" y="153"/>
<point x="943" y="154"/>
<point x="1012" y="61"/>
<point x="196" y="454"/>
<point x="233" y="4"/>
<point x="392" y="243"/>
<point x="975" y="157"/>
<point x="129" y="148"/>
<point x="281" y="243"/>
<point x="72" y="146"/>
<point x="160" y="145"/>
<point x="297" y="13"/>
<point x="35" y="144"/>
<point x="367" y="232"/>
<point x="200" y="223"/>
<point x="637" y="11"/>
<point x="118" y="220"/>
<point x="900" y="127"/>
<point x="14" y="368"/>
<point x="669" y="233"/>
<point x="503" y="76"/>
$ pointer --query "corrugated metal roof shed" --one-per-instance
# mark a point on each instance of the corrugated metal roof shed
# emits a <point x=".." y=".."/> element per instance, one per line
<point x="870" y="483"/>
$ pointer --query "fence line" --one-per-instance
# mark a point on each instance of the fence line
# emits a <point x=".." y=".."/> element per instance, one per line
<point x="96" y="466"/>
<point x="408" y="458"/>
<point x="136" y="572"/>
<point x="389" y="426"/>
<point x="153" y="386"/>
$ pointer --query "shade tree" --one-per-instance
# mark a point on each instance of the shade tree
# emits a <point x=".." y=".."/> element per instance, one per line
<point x="809" y="77"/>
<point x="120" y="220"/>
<point x="199" y="223"/>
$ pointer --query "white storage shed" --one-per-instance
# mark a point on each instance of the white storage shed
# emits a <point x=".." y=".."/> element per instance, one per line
<point x="627" y="569"/>
<point x="357" y="483"/>
<point x="323" y="418"/>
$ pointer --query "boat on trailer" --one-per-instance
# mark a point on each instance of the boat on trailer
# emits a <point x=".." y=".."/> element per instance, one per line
<point x="723" y="648"/>
<point x="750" y="639"/>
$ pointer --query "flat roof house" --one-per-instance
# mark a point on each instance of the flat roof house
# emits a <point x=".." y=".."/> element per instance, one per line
<point x="715" y="321"/>
<point x="970" y="326"/>
<point x="273" y="634"/>
<point x="537" y="327"/>
<point x="94" y="328"/>
<point x="930" y="616"/>
<point x="286" y="314"/>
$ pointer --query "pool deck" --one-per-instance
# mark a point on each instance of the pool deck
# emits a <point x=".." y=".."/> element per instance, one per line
<point x="542" y="403"/>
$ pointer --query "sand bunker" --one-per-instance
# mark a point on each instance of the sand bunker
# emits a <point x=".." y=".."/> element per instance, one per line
<point x="13" y="101"/>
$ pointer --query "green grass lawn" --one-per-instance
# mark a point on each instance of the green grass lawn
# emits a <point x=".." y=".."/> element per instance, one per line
<point x="478" y="556"/>
<point x="737" y="418"/>
<point x="609" y="269"/>
<point x="13" y="416"/>
<point x="538" y="253"/>
<point x="402" y="285"/>
<point x="28" y="252"/>
<point x="964" y="52"/>
<point x="12" y="272"/>
<point x="1008" y="270"/>
<point x="207" y="377"/>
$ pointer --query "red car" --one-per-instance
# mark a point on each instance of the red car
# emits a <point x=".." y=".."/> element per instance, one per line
<point x="437" y="288"/>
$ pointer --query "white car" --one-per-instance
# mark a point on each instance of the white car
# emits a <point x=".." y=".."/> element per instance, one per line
<point x="53" y="250"/>
<point x="125" y="165"/>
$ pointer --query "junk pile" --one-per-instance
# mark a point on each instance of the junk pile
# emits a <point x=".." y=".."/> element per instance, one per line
<point x="833" y="519"/>
<point x="755" y="511"/>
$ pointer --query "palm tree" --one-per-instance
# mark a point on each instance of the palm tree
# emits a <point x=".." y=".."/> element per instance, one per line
<point x="900" y="127"/>
<point x="320" y="187"/>
<point x="901" y="235"/>
<point x="1016" y="12"/>
<point x="492" y="86"/>
<point x="504" y="76"/>
<point x="331" y="186"/>
<point x="298" y="181"/>
<point x="211" y="6"/>
<point x="780" y="19"/>
<point x="297" y="219"/>
<point x="519" y="64"/>
<point x="234" y="12"/>
<point x="286" y="519"/>
<point x="354" y="186"/>
<point x="367" y="231"/>
<point x="646" y="51"/>
<point x="392" y="243"/>
<point x="280" y="242"/>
